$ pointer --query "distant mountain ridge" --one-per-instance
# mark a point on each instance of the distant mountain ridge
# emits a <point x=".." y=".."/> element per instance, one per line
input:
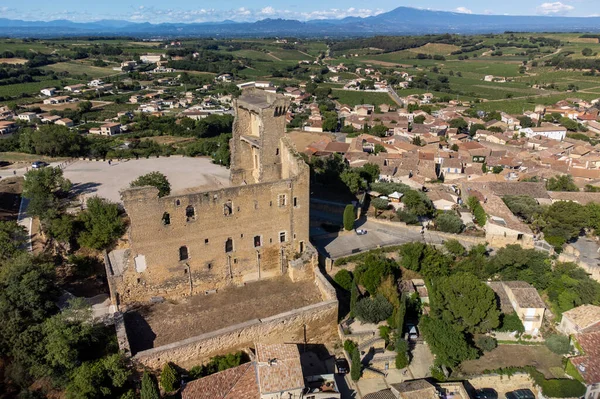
<point x="400" y="21"/>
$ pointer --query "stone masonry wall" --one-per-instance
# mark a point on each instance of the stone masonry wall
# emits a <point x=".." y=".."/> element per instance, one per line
<point x="188" y="244"/>
<point x="311" y="324"/>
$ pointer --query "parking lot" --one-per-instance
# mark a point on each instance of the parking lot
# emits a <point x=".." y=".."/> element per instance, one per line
<point x="185" y="174"/>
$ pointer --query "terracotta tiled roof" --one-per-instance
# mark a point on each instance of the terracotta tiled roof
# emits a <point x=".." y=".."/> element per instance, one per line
<point x="525" y="294"/>
<point x="385" y="394"/>
<point x="589" y="364"/>
<point x="279" y="368"/>
<point x="235" y="383"/>
<point x="584" y="316"/>
<point x="416" y="389"/>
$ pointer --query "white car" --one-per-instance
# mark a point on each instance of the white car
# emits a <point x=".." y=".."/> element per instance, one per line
<point x="361" y="232"/>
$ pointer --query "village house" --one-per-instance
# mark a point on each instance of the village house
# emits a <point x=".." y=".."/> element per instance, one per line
<point x="49" y="92"/>
<point x="109" y="129"/>
<point x="78" y="88"/>
<point x="64" y="122"/>
<point x="527" y="303"/>
<point x="7" y="127"/>
<point x="57" y="100"/>
<point x="582" y="319"/>
<point x="27" y="116"/>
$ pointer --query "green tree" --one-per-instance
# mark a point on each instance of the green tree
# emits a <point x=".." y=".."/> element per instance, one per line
<point x="525" y="121"/>
<point x="419" y="119"/>
<point x="380" y="204"/>
<point x="523" y="206"/>
<point x="52" y="140"/>
<point x="460" y="124"/>
<point x="99" y="379"/>
<point x="61" y="228"/>
<point x="353" y="298"/>
<point x="485" y="343"/>
<point x="401" y="353"/>
<point x="373" y="310"/>
<point x="44" y="188"/>
<point x="407" y="217"/>
<point x="344" y="279"/>
<point x="497" y="169"/>
<point x="565" y="219"/>
<point x="102" y="224"/>
<point x="475" y="127"/>
<point x="464" y="302"/>
<point x="154" y="179"/>
<point x="561" y="183"/>
<point x="12" y="238"/>
<point x="371" y="272"/>
<point x="85" y="106"/>
<point x="330" y="124"/>
<point x="587" y="52"/>
<point x="379" y="130"/>
<point x="356" y="367"/>
<point x="353" y="180"/>
<point x="478" y="211"/>
<point x="169" y="380"/>
<point x="370" y="172"/>
<point x="455" y="247"/>
<point x="449" y="346"/>
<point x="349" y="217"/>
<point x="149" y="388"/>
<point x="449" y="222"/>
<point x="559" y="344"/>
<point x="418" y="203"/>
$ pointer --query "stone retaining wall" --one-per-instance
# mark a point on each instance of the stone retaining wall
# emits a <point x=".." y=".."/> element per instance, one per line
<point x="311" y="324"/>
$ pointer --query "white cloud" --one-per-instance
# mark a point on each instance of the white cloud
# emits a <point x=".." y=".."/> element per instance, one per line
<point x="463" y="10"/>
<point x="556" y="8"/>
<point x="268" y="11"/>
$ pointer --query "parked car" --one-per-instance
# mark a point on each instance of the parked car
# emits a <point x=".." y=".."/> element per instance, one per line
<point x="342" y="366"/>
<point x="361" y="232"/>
<point x="520" y="394"/>
<point x="38" y="164"/>
<point x="486" y="393"/>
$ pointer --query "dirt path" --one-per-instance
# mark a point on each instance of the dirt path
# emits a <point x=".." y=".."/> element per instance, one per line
<point x="273" y="55"/>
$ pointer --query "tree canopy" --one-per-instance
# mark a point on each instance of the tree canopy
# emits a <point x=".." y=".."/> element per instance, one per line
<point x="154" y="179"/>
<point x="102" y="223"/>
<point x="465" y="303"/>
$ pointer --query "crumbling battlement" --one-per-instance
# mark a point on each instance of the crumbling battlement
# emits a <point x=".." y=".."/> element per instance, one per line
<point x="198" y="242"/>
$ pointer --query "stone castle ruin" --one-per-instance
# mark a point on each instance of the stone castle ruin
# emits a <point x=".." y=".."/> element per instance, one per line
<point x="219" y="269"/>
<point x="255" y="229"/>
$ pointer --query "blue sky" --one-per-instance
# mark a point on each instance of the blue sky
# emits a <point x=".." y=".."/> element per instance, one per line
<point x="251" y="10"/>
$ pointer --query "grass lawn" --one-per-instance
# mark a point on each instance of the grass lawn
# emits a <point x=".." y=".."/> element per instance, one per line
<point x="22" y="157"/>
<point x="82" y="68"/>
<point x="515" y="356"/>
<point x="353" y="98"/>
<point x="29" y="88"/>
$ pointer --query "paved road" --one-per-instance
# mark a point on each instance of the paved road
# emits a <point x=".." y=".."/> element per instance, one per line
<point x="378" y="234"/>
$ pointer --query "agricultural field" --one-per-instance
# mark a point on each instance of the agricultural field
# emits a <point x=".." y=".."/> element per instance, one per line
<point x="352" y="98"/>
<point x="82" y="68"/>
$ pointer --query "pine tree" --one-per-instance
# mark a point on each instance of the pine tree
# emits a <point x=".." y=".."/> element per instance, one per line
<point x="349" y="217"/>
<point x="168" y="378"/>
<point x="149" y="387"/>
<point x="355" y="368"/>
<point x="353" y="297"/>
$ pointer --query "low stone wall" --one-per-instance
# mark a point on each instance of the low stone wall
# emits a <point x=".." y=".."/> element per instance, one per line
<point x="503" y="383"/>
<point x="572" y="255"/>
<point x="311" y="324"/>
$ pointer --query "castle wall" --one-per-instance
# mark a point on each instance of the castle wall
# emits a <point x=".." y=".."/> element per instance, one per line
<point x="311" y="324"/>
<point x="193" y="243"/>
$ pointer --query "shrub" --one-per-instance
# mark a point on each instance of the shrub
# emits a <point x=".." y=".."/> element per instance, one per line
<point x="455" y="247"/>
<point x="559" y="344"/>
<point x="344" y="279"/>
<point x="384" y="333"/>
<point x="149" y="388"/>
<point x="154" y="179"/>
<point x="486" y="343"/>
<point x="373" y="310"/>
<point x="510" y="322"/>
<point x="373" y="270"/>
<point x="169" y="378"/>
<point x="401" y="353"/>
<point x="557" y="388"/>
<point x="407" y="217"/>
<point x="349" y="217"/>
<point x="449" y="223"/>
<point x="355" y="368"/>
<point x="349" y="346"/>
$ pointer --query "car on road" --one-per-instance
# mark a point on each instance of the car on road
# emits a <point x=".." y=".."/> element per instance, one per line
<point x="38" y="164"/>
<point x="520" y="394"/>
<point x="361" y="232"/>
<point x="342" y="366"/>
<point x="486" y="393"/>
